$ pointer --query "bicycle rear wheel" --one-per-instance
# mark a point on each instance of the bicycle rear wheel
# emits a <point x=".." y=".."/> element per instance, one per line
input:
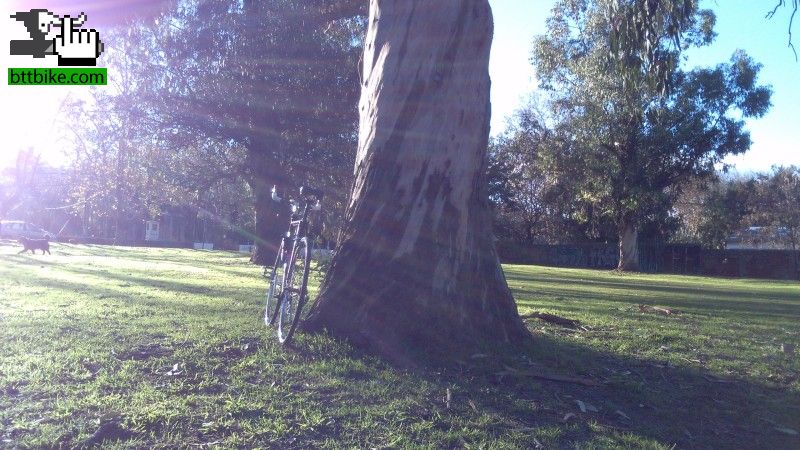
<point x="275" y="277"/>
<point x="295" y="291"/>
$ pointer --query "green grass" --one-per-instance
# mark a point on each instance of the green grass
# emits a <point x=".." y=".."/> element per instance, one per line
<point x="153" y="347"/>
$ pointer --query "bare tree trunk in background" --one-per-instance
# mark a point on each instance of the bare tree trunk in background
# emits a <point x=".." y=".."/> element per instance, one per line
<point x="122" y="156"/>
<point x="416" y="272"/>
<point x="795" y="256"/>
<point x="271" y="219"/>
<point x="270" y="223"/>
<point x="628" y="244"/>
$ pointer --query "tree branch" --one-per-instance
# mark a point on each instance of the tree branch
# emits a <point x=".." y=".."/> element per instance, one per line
<point x="771" y="14"/>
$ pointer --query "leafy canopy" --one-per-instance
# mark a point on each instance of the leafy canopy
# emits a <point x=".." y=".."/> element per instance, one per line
<point x="638" y="122"/>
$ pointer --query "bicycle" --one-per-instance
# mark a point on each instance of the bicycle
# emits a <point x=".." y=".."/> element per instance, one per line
<point x="288" y="279"/>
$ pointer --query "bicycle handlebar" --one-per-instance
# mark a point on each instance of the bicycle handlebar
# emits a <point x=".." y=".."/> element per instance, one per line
<point x="308" y="193"/>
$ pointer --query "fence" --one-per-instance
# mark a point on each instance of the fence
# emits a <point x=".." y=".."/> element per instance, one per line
<point x="658" y="258"/>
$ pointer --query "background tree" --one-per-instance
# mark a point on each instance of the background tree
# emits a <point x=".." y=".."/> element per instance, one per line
<point x="416" y="271"/>
<point x="535" y="197"/>
<point x="277" y="78"/>
<point x="640" y="124"/>
<point x="727" y="209"/>
<point x="128" y="167"/>
<point x="518" y="185"/>
<point x="778" y="197"/>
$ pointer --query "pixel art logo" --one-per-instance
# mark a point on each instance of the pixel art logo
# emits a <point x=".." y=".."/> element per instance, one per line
<point x="61" y="36"/>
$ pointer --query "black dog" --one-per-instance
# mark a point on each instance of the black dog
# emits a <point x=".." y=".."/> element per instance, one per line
<point x="35" y="244"/>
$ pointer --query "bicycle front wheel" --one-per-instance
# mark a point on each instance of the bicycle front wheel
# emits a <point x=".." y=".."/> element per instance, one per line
<point x="275" y="277"/>
<point x="295" y="291"/>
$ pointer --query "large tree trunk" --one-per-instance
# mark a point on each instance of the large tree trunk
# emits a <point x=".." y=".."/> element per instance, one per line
<point x="269" y="224"/>
<point x="416" y="272"/>
<point x="628" y="245"/>
<point x="272" y="219"/>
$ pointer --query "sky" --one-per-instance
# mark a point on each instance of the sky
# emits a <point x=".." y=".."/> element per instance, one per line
<point x="32" y="116"/>
<point x="741" y="24"/>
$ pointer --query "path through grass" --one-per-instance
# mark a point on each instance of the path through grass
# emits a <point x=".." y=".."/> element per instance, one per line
<point x="159" y="347"/>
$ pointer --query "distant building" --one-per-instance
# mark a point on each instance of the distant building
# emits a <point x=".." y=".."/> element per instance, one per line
<point x="759" y="238"/>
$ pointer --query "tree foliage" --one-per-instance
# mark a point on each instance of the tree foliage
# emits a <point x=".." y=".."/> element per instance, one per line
<point x="778" y="195"/>
<point x="278" y="77"/>
<point x="518" y="184"/>
<point x="534" y="187"/>
<point x="758" y="210"/>
<point x="215" y="92"/>
<point x="713" y="209"/>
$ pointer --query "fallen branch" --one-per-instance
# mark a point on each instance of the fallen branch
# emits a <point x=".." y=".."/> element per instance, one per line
<point x="552" y="318"/>
<point x="656" y="309"/>
<point x="550" y="377"/>
<point x="712" y="379"/>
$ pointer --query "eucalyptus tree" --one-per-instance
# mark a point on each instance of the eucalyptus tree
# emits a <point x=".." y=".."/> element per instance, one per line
<point x="639" y="122"/>
<point x="416" y="271"/>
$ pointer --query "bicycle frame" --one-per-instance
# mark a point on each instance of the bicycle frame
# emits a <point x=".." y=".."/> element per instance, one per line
<point x="298" y="229"/>
<point x="290" y="246"/>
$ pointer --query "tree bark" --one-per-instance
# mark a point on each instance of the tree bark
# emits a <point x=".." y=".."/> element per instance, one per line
<point x="416" y="273"/>
<point x="267" y="227"/>
<point x="628" y="245"/>
<point x="792" y="234"/>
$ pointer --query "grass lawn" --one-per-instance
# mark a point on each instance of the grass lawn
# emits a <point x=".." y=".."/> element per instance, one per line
<point x="165" y="348"/>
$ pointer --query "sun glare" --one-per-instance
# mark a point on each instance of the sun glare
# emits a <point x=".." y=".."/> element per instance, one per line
<point x="29" y="116"/>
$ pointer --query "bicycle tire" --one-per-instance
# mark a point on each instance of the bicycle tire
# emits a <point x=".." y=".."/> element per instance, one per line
<point x="294" y="298"/>
<point x="273" y="295"/>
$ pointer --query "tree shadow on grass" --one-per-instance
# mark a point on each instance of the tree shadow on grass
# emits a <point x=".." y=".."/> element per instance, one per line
<point x="221" y="261"/>
<point x="180" y="255"/>
<point x="630" y="292"/>
<point x="682" y="405"/>
<point x="124" y="280"/>
<point x="675" y="406"/>
<point x="645" y="398"/>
